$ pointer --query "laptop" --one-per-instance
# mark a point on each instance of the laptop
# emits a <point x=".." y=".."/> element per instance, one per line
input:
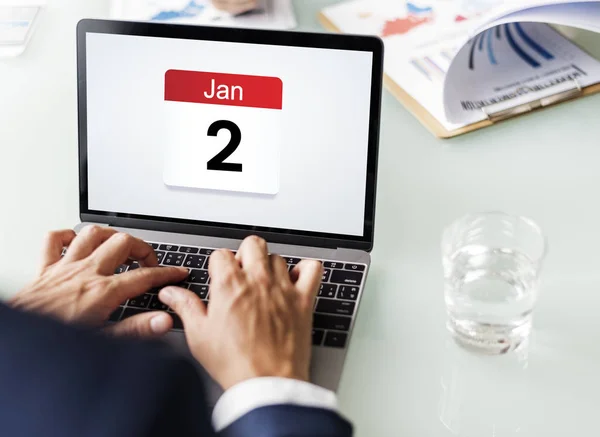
<point x="193" y="138"/>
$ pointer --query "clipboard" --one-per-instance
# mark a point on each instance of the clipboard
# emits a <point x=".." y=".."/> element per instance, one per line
<point x="492" y="117"/>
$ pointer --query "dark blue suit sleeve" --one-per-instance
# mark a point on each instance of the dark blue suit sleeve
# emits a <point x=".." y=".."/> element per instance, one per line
<point x="289" y="421"/>
<point x="60" y="381"/>
<point x="63" y="381"/>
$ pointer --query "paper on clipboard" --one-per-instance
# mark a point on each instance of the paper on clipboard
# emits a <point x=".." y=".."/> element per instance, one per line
<point x="426" y="39"/>
<point x="16" y="23"/>
<point x="493" y="70"/>
<point x="18" y="20"/>
<point x="270" y="14"/>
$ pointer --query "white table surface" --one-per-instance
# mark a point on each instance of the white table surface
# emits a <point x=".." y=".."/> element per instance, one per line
<point x="403" y="376"/>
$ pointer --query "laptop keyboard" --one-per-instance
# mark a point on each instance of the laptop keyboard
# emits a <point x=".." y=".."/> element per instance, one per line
<point x="334" y="308"/>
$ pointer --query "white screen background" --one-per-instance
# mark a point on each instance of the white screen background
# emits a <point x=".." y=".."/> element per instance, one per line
<point x="325" y="120"/>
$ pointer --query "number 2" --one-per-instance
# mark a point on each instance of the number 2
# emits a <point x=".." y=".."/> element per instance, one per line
<point x="217" y="163"/>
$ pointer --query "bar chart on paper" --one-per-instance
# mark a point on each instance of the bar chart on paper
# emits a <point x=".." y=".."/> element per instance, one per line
<point x="161" y="10"/>
<point x="269" y="14"/>
<point x="435" y="65"/>
<point x="191" y="9"/>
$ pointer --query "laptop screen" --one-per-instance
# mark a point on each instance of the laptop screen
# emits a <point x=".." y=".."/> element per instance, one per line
<point x="233" y="133"/>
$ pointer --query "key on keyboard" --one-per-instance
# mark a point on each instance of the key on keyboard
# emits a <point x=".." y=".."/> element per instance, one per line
<point x="335" y="307"/>
<point x="291" y="261"/>
<point x="355" y="267"/>
<point x="140" y="301"/>
<point x="173" y="259"/>
<point x="346" y="277"/>
<point x="336" y="339"/>
<point x="198" y="276"/>
<point x="188" y="249"/>
<point x="333" y="265"/>
<point x="194" y="261"/>
<point x="327" y="290"/>
<point x="349" y="293"/>
<point x="200" y="290"/>
<point x="325" y="321"/>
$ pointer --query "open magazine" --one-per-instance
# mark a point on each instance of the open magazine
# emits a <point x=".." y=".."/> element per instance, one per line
<point x="461" y="62"/>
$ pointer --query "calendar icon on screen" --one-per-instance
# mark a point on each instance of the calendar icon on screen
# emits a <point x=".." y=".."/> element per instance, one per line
<point x="224" y="131"/>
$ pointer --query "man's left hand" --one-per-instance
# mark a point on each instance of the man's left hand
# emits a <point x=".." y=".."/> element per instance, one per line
<point x="81" y="286"/>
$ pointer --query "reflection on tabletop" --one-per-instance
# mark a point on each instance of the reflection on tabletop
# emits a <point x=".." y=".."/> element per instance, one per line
<point x="484" y="395"/>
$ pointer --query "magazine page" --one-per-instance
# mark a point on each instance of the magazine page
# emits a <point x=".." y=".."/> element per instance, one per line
<point x="421" y="38"/>
<point x="519" y="62"/>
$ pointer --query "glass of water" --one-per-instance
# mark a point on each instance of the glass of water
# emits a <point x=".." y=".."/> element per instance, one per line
<point x="492" y="264"/>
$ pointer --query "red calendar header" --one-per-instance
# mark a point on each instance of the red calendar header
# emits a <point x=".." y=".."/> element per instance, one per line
<point x="223" y="89"/>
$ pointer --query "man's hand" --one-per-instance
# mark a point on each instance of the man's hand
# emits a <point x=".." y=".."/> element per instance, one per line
<point x="259" y="321"/>
<point x="81" y="286"/>
<point x="235" y="7"/>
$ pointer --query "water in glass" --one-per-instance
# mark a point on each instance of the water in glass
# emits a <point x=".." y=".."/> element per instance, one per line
<point x="490" y="293"/>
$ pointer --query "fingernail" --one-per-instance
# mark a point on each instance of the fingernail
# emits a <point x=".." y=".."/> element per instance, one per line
<point x="184" y="269"/>
<point x="166" y="295"/>
<point x="160" y="324"/>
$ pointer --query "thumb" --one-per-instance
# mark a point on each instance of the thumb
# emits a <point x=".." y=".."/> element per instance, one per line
<point x="186" y="304"/>
<point x="148" y="325"/>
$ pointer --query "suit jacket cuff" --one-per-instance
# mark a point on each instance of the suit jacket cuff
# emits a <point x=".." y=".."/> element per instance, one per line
<point x="256" y="393"/>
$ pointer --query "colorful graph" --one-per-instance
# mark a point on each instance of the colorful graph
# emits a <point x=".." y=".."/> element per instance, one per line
<point x="192" y="9"/>
<point x="416" y="16"/>
<point x="400" y="26"/>
<point x="435" y="65"/>
<point x="417" y="10"/>
<point x="523" y="48"/>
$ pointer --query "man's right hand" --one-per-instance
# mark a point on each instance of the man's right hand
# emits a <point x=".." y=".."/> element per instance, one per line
<point x="259" y="321"/>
